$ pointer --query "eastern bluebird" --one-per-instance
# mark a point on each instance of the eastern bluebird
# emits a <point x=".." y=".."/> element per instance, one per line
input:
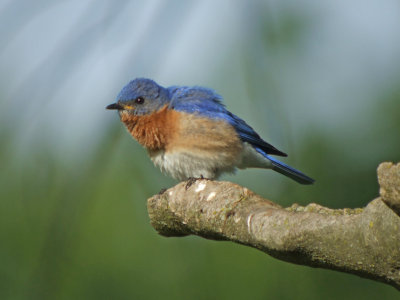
<point x="189" y="133"/>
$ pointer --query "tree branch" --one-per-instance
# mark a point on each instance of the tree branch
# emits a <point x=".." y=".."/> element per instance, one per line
<point x="362" y="241"/>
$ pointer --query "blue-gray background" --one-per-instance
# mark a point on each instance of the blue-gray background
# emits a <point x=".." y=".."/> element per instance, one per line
<point x="319" y="80"/>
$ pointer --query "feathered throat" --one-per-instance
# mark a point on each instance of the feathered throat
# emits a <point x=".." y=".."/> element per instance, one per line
<point x="153" y="131"/>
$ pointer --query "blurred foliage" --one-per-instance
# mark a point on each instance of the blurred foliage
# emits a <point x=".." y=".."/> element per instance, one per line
<point x="79" y="230"/>
<point x="77" y="227"/>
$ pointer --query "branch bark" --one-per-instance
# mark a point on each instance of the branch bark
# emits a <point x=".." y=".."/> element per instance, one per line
<point x="361" y="241"/>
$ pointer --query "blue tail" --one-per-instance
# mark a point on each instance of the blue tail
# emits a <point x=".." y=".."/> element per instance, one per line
<point x="289" y="171"/>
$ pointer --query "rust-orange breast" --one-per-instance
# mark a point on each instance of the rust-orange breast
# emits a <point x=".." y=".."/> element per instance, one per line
<point x="174" y="132"/>
<point x="153" y="131"/>
<point x="205" y="137"/>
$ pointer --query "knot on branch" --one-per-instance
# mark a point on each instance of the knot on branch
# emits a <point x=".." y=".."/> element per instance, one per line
<point x="362" y="241"/>
<point x="389" y="181"/>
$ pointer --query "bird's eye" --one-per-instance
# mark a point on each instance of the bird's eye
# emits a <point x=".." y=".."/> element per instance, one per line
<point x="139" y="100"/>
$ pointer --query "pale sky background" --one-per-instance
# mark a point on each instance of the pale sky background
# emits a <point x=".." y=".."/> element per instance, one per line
<point x="62" y="62"/>
<point x="319" y="80"/>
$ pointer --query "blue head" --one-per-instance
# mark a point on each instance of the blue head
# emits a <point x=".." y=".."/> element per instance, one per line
<point x="141" y="96"/>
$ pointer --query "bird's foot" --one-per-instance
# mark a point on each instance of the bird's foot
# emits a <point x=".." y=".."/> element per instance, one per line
<point x="162" y="191"/>
<point x="192" y="180"/>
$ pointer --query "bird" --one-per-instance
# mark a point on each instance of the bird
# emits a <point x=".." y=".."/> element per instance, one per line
<point x="189" y="133"/>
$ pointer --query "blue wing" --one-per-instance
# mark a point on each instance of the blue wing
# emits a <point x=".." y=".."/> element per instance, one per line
<point x="286" y="170"/>
<point x="207" y="103"/>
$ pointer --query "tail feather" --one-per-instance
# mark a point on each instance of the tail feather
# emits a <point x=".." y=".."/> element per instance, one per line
<point x="290" y="172"/>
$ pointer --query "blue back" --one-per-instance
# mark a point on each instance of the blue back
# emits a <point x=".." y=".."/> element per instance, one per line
<point x="207" y="103"/>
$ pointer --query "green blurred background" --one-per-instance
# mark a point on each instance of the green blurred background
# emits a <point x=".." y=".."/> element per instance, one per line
<point x="318" y="80"/>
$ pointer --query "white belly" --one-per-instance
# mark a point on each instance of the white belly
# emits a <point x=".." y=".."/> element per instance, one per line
<point x="250" y="158"/>
<point x="183" y="165"/>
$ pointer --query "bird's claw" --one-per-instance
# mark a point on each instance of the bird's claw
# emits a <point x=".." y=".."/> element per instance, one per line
<point x="162" y="191"/>
<point x="190" y="182"/>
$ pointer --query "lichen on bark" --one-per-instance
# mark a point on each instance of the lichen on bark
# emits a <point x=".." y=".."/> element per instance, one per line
<point x="361" y="241"/>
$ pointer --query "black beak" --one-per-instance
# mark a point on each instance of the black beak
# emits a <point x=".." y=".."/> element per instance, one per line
<point x="114" y="106"/>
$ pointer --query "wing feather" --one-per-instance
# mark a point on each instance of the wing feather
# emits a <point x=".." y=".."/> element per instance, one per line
<point x="207" y="103"/>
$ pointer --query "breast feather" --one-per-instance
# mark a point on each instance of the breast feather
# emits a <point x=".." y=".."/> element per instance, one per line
<point x="202" y="137"/>
<point x="153" y="131"/>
